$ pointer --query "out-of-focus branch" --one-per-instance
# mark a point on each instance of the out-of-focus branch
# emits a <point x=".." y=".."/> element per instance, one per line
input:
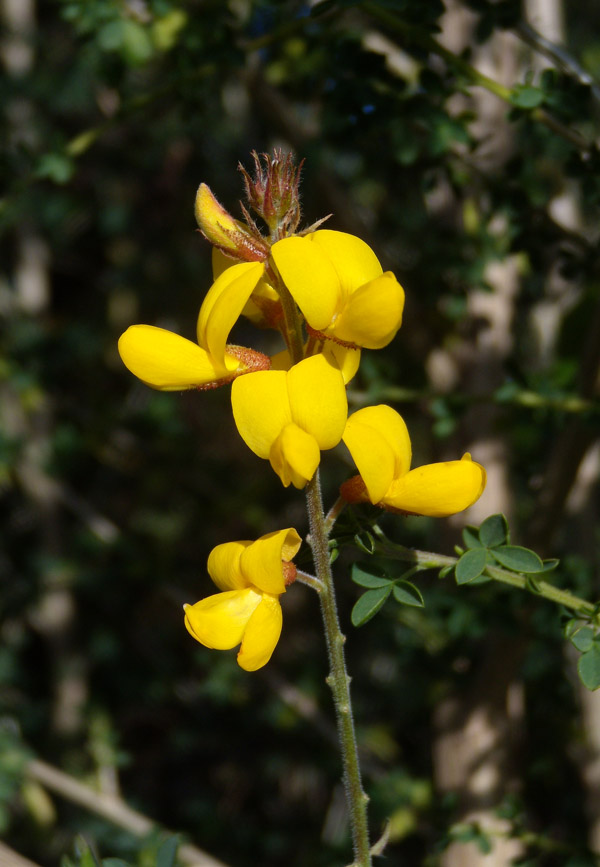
<point x="112" y="809"/>
<point x="395" y="23"/>
<point x="558" y="55"/>
<point x="10" y="858"/>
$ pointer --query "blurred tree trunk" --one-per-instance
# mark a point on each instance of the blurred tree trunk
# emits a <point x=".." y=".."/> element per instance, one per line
<point x="54" y="614"/>
<point x="475" y="732"/>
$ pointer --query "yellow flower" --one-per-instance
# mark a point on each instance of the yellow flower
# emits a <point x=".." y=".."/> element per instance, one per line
<point x="169" y="362"/>
<point x="378" y="441"/>
<point x="339" y="285"/>
<point x="289" y="416"/>
<point x="263" y="308"/>
<point x="251" y="576"/>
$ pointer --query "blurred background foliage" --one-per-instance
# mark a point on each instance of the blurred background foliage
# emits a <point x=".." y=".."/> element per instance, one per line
<point x="460" y="141"/>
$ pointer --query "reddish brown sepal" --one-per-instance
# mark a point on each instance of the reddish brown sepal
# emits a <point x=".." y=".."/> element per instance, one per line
<point x="354" y="490"/>
<point x="289" y="573"/>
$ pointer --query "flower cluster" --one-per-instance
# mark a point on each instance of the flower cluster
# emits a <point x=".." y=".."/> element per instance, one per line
<point x="328" y="296"/>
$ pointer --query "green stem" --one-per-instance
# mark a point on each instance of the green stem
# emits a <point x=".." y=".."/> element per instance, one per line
<point x="338" y="679"/>
<point x="427" y="560"/>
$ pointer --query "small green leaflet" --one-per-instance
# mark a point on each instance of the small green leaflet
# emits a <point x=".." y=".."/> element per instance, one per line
<point x="167" y="853"/>
<point x="517" y="559"/>
<point x="589" y="667"/>
<point x="471" y="537"/>
<point x="525" y="96"/>
<point x="368" y="577"/>
<point x="407" y="594"/>
<point x="369" y="604"/>
<point x="471" y="565"/>
<point x="582" y="639"/>
<point x="494" y="531"/>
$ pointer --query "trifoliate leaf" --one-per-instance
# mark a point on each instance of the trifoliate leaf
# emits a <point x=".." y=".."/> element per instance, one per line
<point x="517" y="559"/>
<point x="369" y="604"/>
<point x="494" y="531"/>
<point x="407" y="594"/>
<point x="471" y="565"/>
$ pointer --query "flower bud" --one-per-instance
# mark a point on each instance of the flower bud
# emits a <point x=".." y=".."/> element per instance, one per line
<point x="228" y="235"/>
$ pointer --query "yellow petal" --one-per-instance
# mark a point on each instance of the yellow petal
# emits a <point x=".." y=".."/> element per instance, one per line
<point x="310" y="277"/>
<point x="220" y="262"/>
<point x="223" y="305"/>
<point x="281" y="360"/>
<point x="372" y="314"/>
<point x="373" y="456"/>
<point x="261" y="635"/>
<point x="165" y="360"/>
<point x="224" y="565"/>
<point x="353" y="260"/>
<point x="318" y="400"/>
<point x="379" y="443"/>
<point x="261" y="408"/>
<point x="295" y="456"/>
<point x="438" y="490"/>
<point x="220" y="621"/>
<point x="344" y="357"/>
<point x="261" y="561"/>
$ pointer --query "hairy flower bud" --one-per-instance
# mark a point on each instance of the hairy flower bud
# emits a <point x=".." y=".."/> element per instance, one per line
<point x="230" y="236"/>
<point x="273" y="191"/>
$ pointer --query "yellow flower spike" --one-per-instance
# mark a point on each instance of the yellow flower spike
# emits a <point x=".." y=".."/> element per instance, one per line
<point x="169" y="362"/>
<point x="379" y="443"/>
<point x="289" y="417"/>
<point x="339" y="285"/>
<point x="253" y="576"/>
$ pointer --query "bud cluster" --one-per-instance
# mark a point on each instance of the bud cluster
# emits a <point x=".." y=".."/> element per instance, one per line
<point x="273" y="191"/>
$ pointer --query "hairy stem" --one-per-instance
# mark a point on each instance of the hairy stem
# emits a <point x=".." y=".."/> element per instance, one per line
<point x="338" y="679"/>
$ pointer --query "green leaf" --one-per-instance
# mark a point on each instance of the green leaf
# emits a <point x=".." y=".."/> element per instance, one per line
<point x="167" y="853"/>
<point x="589" y="667"/>
<point x="471" y="565"/>
<point x="471" y="537"/>
<point x="445" y="571"/>
<point x="369" y="604"/>
<point x="114" y="862"/>
<point x="407" y="594"/>
<point x="517" y="559"/>
<point x="333" y="555"/>
<point x="525" y="96"/>
<point x="583" y="639"/>
<point x="494" y="531"/>
<point x="367" y="578"/>
<point x="365" y="542"/>
<point x="56" y="167"/>
<point x="549" y="565"/>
